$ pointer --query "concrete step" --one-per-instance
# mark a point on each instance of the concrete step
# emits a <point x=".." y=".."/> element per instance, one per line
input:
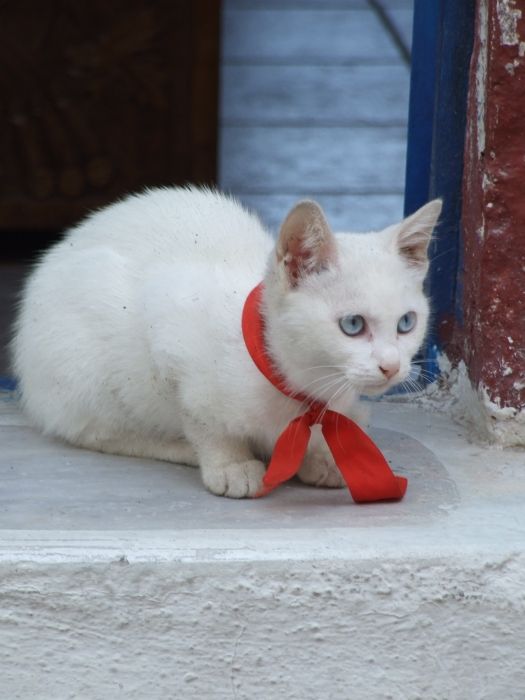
<point x="123" y="577"/>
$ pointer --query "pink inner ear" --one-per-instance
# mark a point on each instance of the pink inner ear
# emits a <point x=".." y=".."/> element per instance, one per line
<point x="306" y="245"/>
<point x="413" y="248"/>
<point x="298" y="259"/>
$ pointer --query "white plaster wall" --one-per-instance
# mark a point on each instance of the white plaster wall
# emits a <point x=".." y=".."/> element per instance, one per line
<point x="445" y="628"/>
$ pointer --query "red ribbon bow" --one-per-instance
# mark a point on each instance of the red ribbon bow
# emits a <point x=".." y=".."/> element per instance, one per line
<point x="363" y="466"/>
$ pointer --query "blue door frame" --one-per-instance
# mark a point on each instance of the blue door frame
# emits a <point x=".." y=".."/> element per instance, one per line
<point x="441" y="49"/>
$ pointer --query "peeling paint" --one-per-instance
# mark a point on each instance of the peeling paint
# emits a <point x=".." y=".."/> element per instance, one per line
<point x="481" y="75"/>
<point x="485" y="419"/>
<point x="511" y="67"/>
<point x="508" y="16"/>
<point x="481" y="230"/>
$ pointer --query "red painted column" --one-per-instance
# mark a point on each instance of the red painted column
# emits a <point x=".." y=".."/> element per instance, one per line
<point x="492" y="337"/>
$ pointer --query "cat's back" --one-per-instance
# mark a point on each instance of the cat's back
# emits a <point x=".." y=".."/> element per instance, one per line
<point x="80" y="327"/>
<point x="172" y="223"/>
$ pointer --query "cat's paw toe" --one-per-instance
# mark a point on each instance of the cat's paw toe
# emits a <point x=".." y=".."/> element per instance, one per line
<point x="319" y="469"/>
<point x="236" y="480"/>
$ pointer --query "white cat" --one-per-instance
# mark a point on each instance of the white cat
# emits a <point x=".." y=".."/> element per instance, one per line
<point x="129" y="341"/>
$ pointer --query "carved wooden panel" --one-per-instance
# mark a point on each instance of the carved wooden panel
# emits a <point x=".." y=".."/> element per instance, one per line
<point x="101" y="98"/>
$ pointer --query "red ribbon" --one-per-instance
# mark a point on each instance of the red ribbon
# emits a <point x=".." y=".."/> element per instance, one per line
<point x="363" y="466"/>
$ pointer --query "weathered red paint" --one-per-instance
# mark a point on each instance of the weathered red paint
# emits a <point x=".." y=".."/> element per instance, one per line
<point x="492" y="339"/>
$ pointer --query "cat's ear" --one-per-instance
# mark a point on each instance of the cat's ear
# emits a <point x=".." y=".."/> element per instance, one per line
<point x="306" y="245"/>
<point x="414" y="234"/>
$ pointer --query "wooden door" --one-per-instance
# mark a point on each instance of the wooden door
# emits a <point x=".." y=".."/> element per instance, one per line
<point x="99" y="99"/>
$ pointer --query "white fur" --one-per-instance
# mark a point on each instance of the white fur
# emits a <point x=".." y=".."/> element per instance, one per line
<point x="129" y="338"/>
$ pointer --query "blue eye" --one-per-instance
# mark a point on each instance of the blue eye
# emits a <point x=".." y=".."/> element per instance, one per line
<point x="352" y="325"/>
<point x="407" y="322"/>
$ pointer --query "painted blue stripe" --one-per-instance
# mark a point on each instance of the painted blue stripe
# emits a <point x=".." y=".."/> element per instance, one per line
<point x="446" y="179"/>
<point x="421" y="103"/>
<point x="442" y="46"/>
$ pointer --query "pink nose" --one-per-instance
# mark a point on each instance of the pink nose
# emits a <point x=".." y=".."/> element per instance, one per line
<point x="390" y="370"/>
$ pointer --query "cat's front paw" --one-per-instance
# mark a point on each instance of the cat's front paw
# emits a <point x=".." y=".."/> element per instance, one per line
<point x="319" y="469"/>
<point x="235" y="480"/>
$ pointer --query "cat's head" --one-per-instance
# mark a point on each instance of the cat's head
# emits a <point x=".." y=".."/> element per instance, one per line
<point x="347" y="312"/>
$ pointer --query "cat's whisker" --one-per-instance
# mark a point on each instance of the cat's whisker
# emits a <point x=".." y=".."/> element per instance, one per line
<point x="422" y="371"/>
<point x="311" y="401"/>
<point x="410" y="384"/>
<point x="331" y="384"/>
<point x="345" y="388"/>
<point x="420" y="368"/>
<point x="328" y="387"/>
<point x="406" y="382"/>
<point x="297" y="394"/>
<point x="412" y="380"/>
<point x="319" y="379"/>
<point x="308" y="403"/>
<point x="444" y="252"/>
<point x="337" y="432"/>
<point x="338" y="393"/>
<point x="405" y="389"/>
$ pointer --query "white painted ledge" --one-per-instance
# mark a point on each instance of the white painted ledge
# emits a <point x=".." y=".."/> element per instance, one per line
<point x="486" y="420"/>
<point x="122" y="578"/>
